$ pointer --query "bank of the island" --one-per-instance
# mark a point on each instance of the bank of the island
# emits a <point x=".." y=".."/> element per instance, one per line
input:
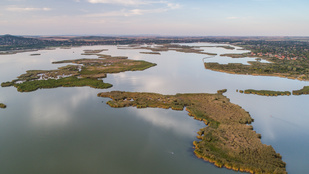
<point x="227" y="141"/>
<point x="86" y="72"/>
<point x="3" y="106"/>
<point x="228" y="47"/>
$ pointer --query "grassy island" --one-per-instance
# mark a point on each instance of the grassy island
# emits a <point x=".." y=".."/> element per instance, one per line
<point x="93" y="67"/>
<point x="305" y="90"/>
<point x="102" y="56"/>
<point x="86" y="73"/>
<point x="36" y="54"/>
<point x="227" y="141"/>
<point x="278" y="68"/>
<point x="225" y="47"/>
<point x="93" y="52"/>
<point x="29" y="86"/>
<point x="2" y="105"/>
<point x="169" y="47"/>
<point x="157" y="53"/>
<point x="236" y="55"/>
<point x="265" y="92"/>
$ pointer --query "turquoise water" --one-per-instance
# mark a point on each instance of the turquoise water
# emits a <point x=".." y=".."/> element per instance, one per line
<point x="71" y="130"/>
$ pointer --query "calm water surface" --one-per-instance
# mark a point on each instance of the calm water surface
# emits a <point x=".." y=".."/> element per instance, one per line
<point x="71" y="130"/>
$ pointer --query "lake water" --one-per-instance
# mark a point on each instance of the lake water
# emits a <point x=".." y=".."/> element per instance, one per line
<point x="71" y="130"/>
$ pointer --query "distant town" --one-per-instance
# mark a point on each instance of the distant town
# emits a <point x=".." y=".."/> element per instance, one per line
<point x="284" y="50"/>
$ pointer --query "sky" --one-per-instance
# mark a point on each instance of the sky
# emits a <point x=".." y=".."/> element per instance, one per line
<point x="155" y="17"/>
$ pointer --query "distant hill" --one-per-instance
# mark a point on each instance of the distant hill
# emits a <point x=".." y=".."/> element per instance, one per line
<point x="12" y="43"/>
<point x="9" y="40"/>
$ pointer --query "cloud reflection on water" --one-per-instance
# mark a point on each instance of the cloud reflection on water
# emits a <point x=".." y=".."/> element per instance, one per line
<point x="58" y="109"/>
<point x="177" y="121"/>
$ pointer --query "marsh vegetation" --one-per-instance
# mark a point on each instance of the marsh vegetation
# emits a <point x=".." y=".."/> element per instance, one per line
<point x="228" y="47"/>
<point x="2" y="105"/>
<point x="305" y="90"/>
<point x="281" y="64"/>
<point x="265" y="92"/>
<point x="36" y="54"/>
<point x="168" y="47"/>
<point x="156" y="53"/>
<point x="292" y="70"/>
<point x="87" y="72"/>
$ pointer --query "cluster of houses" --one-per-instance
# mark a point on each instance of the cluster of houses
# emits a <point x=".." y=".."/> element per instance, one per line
<point x="278" y="56"/>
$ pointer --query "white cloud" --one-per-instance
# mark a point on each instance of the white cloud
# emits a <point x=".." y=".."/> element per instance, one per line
<point x="122" y="2"/>
<point x="173" y="6"/>
<point x="165" y="6"/>
<point x="239" y="18"/>
<point x="142" y="12"/>
<point x="127" y="13"/>
<point x="232" y="17"/>
<point x="108" y="14"/>
<point x="22" y="9"/>
<point x="135" y="2"/>
<point x="15" y="0"/>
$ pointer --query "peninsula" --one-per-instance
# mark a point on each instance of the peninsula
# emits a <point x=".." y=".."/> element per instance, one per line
<point x="289" y="59"/>
<point x="279" y="68"/>
<point x="227" y="141"/>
